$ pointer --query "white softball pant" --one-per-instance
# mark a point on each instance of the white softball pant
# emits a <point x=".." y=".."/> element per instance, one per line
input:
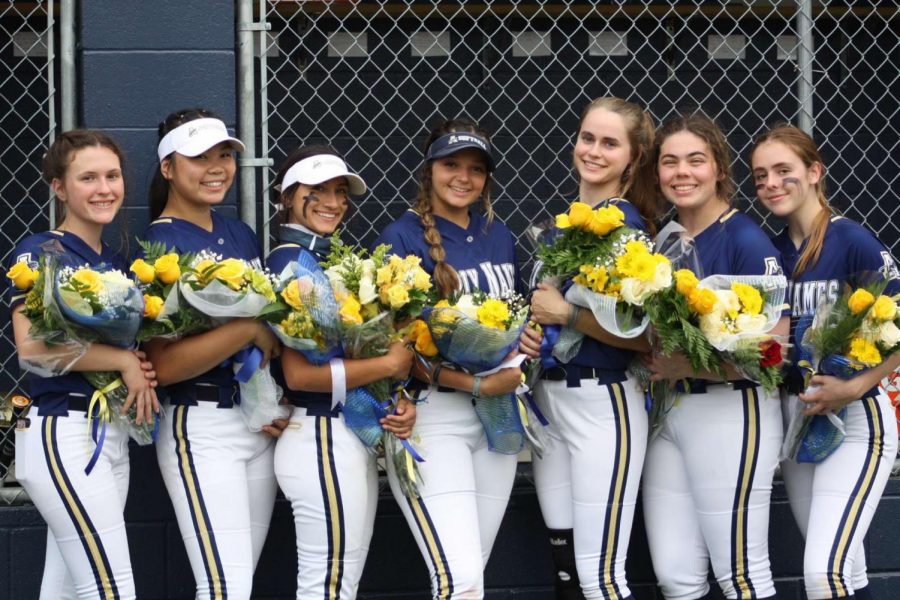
<point x="221" y="480"/>
<point x="87" y="548"/>
<point x="588" y="477"/>
<point x="834" y="501"/>
<point x="706" y="491"/>
<point x="331" y="481"/>
<point x="462" y="496"/>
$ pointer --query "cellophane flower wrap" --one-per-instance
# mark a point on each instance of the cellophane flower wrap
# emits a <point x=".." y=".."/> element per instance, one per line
<point x="476" y="332"/>
<point x="70" y="308"/>
<point x="229" y="288"/>
<point x="376" y="293"/>
<point x="842" y="339"/>
<point x="305" y="315"/>
<point x="614" y="270"/>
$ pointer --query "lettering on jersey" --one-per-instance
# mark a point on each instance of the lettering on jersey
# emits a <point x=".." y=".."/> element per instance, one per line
<point x="808" y="295"/>
<point x="889" y="270"/>
<point x="772" y="266"/>
<point x="256" y="263"/>
<point x="468" y="279"/>
<point x="499" y="278"/>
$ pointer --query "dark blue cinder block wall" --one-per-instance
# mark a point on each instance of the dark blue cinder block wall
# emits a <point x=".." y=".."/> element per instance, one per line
<point x="140" y="61"/>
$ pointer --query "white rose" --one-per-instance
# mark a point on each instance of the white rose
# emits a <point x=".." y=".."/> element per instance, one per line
<point x="870" y="330"/>
<point x="662" y="278"/>
<point x="728" y="301"/>
<point x="751" y="323"/>
<point x="889" y="335"/>
<point x="713" y="328"/>
<point x="634" y="291"/>
<point x="367" y="291"/>
<point x="466" y="305"/>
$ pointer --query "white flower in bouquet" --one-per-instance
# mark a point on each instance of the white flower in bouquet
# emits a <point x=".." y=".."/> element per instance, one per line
<point x="751" y="323"/>
<point x="889" y="334"/>
<point x="368" y="293"/>
<point x="466" y="305"/>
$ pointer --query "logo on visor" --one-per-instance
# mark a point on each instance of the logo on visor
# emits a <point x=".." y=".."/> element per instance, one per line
<point x="460" y="138"/>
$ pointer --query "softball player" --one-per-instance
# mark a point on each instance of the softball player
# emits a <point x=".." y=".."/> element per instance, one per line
<point x="465" y="487"/>
<point x="218" y="473"/>
<point x="587" y="479"/>
<point x="833" y="501"/>
<point x="87" y="549"/>
<point x="323" y="468"/>
<point x="708" y="474"/>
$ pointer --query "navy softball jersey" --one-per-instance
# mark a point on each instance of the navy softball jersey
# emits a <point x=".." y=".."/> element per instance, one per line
<point x="484" y="255"/>
<point x="229" y="238"/>
<point x="51" y="392"/>
<point x="735" y="245"/>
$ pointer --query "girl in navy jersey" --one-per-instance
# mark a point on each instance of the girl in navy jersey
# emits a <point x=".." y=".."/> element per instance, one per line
<point x="465" y="487"/>
<point x="824" y="254"/>
<point x="587" y="479"/>
<point x="708" y="474"/>
<point x="219" y="474"/>
<point x="87" y="549"/>
<point x="321" y="465"/>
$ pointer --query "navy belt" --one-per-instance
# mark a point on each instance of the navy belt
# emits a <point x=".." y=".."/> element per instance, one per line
<point x="191" y="393"/>
<point x="574" y="374"/>
<point x="316" y="408"/>
<point x="701" y="386"/>
<point x="77" y="402"/>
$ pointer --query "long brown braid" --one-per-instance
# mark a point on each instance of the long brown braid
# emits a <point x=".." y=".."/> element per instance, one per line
<point x="445" y="276"/>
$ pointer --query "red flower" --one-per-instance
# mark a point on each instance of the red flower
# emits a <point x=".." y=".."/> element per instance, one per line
<point x="770" y="354"/>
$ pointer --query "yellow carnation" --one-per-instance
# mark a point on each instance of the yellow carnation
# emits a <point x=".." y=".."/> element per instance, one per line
<point x="493" y="313"/>
<point x="884" y="309"/>
<point x="702" y="301"/>
<point x="167" y="268"/>
<point x="144" y="272"/>
<point x="88" y="280"/>
<point x="231" y="272"/>
<point x="442" y="303"/>
<point x="152" y="306"/>
<point x="636" y="262"/>
<point x="580" y="214"/>
<point x="291" y="295"/>
<point x="860" y="300"/>
<point x="751" y="299"/>
<point x="865" y="352"/>
<point x="350" y="311"/>
<point x="23" y="276"/>
<point x="685" y="281"/>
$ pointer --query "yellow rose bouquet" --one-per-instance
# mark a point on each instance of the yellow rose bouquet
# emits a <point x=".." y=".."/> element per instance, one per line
<point x="376" y="293"/>
<point x="69" y="308"/>
<point x="476" y="333"/>
<point x="166" y="314"/>
<point x="857" y="332"/>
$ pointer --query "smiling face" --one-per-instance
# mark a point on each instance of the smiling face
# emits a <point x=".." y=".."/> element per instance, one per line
<point x="784" y="184"/>
<point x="687" y="171"/>
<point x="602" y="151"/>
<point x="457" y="181"/>
<point x="201" y="179"/>
<point x="92" y="187"/>
<point x="320" y="207"/>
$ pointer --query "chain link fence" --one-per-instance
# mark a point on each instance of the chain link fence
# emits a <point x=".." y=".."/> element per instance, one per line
<point x="372" y="78"/>
<point x="27" y="119"/>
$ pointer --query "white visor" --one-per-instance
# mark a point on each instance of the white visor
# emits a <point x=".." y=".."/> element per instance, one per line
<point x="321" y="168"/>
<point x="196" y="137"/>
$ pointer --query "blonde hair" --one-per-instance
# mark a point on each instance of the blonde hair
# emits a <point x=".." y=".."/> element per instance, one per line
<point x="801" y="144"/>
<point x="445" y="277"/>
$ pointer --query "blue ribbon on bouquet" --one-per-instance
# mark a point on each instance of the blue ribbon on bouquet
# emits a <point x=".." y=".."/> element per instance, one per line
<point x="250" y="357"/>
<point x="363" y="413"/>
<point x="98" y="425"/>
<point x="529" y="397"/>
<point x="551" y="336"/>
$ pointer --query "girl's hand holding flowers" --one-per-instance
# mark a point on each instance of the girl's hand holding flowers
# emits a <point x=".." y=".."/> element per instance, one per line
<point x="402" y="420"/>
<point x="826" y="393"/>
<point x="504" y="381"/>
<point x="140" y="379"/>
<point x="399" y="359"/>
<point x="530" y="341"/>
<point x="673" y="367"/>
<point x="548" y="307"/>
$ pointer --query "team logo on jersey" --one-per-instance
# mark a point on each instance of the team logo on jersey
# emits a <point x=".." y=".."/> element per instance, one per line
<point x="772" y="266"/>
<point x="889" y="270"/>
<point x="28" y="259"/>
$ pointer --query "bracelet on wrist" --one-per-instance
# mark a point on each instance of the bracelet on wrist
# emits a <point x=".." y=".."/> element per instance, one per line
<point x="436" y="373"/>
<point x="476" y="387"/>
<point x="573" y="316"/>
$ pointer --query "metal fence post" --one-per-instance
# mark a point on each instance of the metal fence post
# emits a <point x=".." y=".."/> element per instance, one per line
<point x="805" y="61"/>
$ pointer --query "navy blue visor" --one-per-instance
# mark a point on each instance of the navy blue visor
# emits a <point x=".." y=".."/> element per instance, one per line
<point x="454" y="142"/>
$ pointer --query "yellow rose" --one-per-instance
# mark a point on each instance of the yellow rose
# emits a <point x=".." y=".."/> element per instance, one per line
<point x="384" y="275"/>
<point x="421" y="280"/>
<point x="562" y="221"/>
<point x="685" y="281"/>
<point x="88" y="280"/>
<point x="422" y="338"/>
<point x="231" y="272"/>
<point x="23" y="276"/>
<point x="702" y="301"/>
<point x="203" y="265"/>
<point x="751" y="299"/>
<point x="860" y="300"/>
<point x="291" y="295"/>
<point x="349" y="311"/>
<point x="580" y="214"/>
<point x="865" y="352"/>
<point x="167" y="268"/>
<point x="396" y="296"/>
<point x="152" y="307"/>
<point x="606" y="219"/>
<point x="884" y="309"/>
<point x="144" y="272"/>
